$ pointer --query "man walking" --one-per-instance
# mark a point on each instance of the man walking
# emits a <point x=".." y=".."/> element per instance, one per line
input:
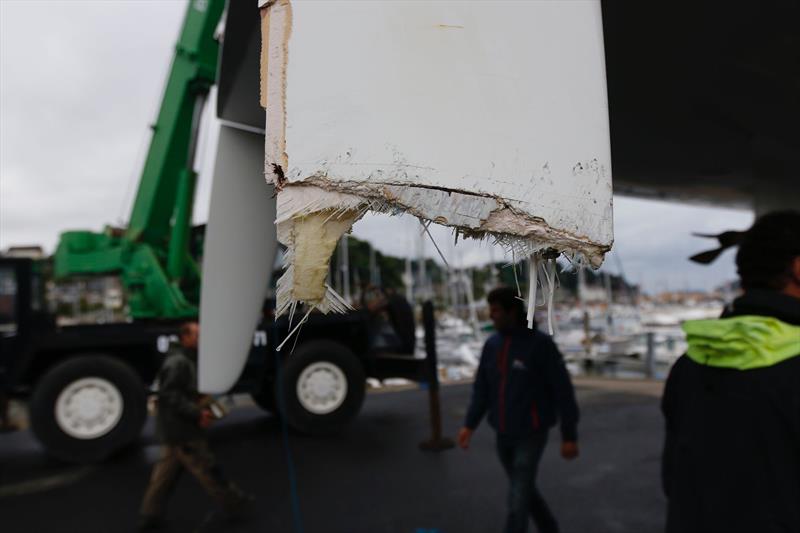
<point x="731" y="457"/>
<point x="180" y="425"/>
<point x="524" y="386"/>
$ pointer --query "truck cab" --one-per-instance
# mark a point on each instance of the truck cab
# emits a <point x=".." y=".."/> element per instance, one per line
<point x="85" y="386"/>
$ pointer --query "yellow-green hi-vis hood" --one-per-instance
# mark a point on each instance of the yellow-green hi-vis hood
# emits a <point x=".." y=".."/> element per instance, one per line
<point x="742" y="342"/>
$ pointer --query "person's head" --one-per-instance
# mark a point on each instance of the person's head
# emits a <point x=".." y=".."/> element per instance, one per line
<point x="189" y="335"/>
<point x="505" y="309"/>
<point x="769" y="254"/>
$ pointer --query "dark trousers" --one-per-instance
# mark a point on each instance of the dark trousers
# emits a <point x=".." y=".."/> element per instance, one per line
<point x="520" y="459"/>
<point x="196" y="457"/>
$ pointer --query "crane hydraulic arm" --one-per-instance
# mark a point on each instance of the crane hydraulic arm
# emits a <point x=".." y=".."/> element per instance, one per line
<point x="152" y="254"/>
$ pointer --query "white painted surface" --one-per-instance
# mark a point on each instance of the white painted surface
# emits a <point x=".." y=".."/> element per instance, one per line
<point x="502" y="99"/>
<point x="239" y="253"/>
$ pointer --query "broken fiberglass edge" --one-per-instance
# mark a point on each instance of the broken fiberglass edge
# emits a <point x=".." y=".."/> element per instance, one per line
<point x="493" y="122"/>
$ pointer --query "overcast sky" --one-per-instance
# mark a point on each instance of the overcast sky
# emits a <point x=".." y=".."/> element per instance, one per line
<point x="80" y="82"/>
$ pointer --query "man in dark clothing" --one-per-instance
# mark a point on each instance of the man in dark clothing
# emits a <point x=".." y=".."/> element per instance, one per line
<point x="731" y="459"/>
<point x="524" y="386"/>
<point x="180" y="425"/>
<point x="398" y="334"/>
<point x="401" y="316"/>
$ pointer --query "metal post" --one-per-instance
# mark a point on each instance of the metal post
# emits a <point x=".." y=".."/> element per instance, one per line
<point x="609" y="304"/>
<point x="374" y="271"/>
<point x="650" y="357"/>
<point x="452" y="285"/>
<point x="422" y="283"/>
<point x="587" y="340"/>
<point x="357" y="281"/>
<point x="408" y="281"/>
<point x="469" y="289"/>
<point x="436" y="443"/>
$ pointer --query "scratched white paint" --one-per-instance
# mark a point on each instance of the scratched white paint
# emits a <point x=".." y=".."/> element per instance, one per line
<point x="503" y="103"/>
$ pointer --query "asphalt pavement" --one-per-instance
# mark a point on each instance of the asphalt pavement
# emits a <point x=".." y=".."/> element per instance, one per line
<point x="371" y="478"/>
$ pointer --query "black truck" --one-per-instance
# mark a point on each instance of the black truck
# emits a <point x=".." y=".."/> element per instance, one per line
<point x="86" y="386"/>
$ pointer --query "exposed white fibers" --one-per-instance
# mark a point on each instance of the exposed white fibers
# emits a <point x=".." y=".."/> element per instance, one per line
<point x="297" y="202"/>
<point x="425" y="228"/>
<point x="296" y="328"/>
<point x="514" y="267"/>
<point x="533" y="269"/>
<point x="549" y="269"/>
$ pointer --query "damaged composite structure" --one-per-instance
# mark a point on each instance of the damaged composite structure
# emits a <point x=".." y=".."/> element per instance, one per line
<point x="491" y="120"/>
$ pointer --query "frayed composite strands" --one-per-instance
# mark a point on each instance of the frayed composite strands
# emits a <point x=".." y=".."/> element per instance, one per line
<point x="549" y="289"/>
<point x="533" y="276"/>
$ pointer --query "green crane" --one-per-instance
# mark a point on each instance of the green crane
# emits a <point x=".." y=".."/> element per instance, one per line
<point x="151" y="255"/>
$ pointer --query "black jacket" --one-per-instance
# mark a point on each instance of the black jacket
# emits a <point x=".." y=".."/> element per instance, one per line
<point x="401" y="315"/>
<point x="523" y="384"/>
<point x="731" y="459"/>
<point x="178" y="414"/>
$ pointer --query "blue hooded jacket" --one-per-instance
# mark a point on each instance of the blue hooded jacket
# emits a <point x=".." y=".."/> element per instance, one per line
<point x="524" y="386"/>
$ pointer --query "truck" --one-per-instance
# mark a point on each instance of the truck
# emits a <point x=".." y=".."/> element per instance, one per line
<point x="86" y="385"/>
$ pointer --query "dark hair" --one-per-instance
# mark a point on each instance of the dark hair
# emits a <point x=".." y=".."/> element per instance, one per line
<point x="767" y="250"/>
<point x="506" y="297"/>
<point x="186" y="328"/>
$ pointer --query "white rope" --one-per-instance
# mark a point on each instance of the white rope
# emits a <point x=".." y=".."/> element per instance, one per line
<point x="425" y="227"/>
<point x="289" y="336"/>
<point x="533" y="268"/>
<point x="550" y="274"/>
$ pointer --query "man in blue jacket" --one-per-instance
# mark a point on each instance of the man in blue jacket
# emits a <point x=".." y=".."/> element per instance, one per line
<point x="524" y="387"/>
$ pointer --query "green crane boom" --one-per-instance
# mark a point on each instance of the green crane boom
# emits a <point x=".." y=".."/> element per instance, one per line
<point x="152" y="255"/>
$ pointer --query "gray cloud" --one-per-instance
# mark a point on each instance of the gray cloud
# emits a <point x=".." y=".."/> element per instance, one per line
<point x="80" y="83"/>
<point x="79" y="86"/>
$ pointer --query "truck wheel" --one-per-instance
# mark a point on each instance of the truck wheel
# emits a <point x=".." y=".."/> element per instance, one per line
<point x="87" y="408"/>
<point x="323" y="386"/>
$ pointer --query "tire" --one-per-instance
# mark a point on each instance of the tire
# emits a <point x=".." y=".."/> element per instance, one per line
<point x="265" y="398"/>
<point x="317" y="366"/>
<point x="110" y="401"/>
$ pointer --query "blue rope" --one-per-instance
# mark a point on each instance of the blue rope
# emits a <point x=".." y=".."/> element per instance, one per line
<point x="296" y="515"/>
